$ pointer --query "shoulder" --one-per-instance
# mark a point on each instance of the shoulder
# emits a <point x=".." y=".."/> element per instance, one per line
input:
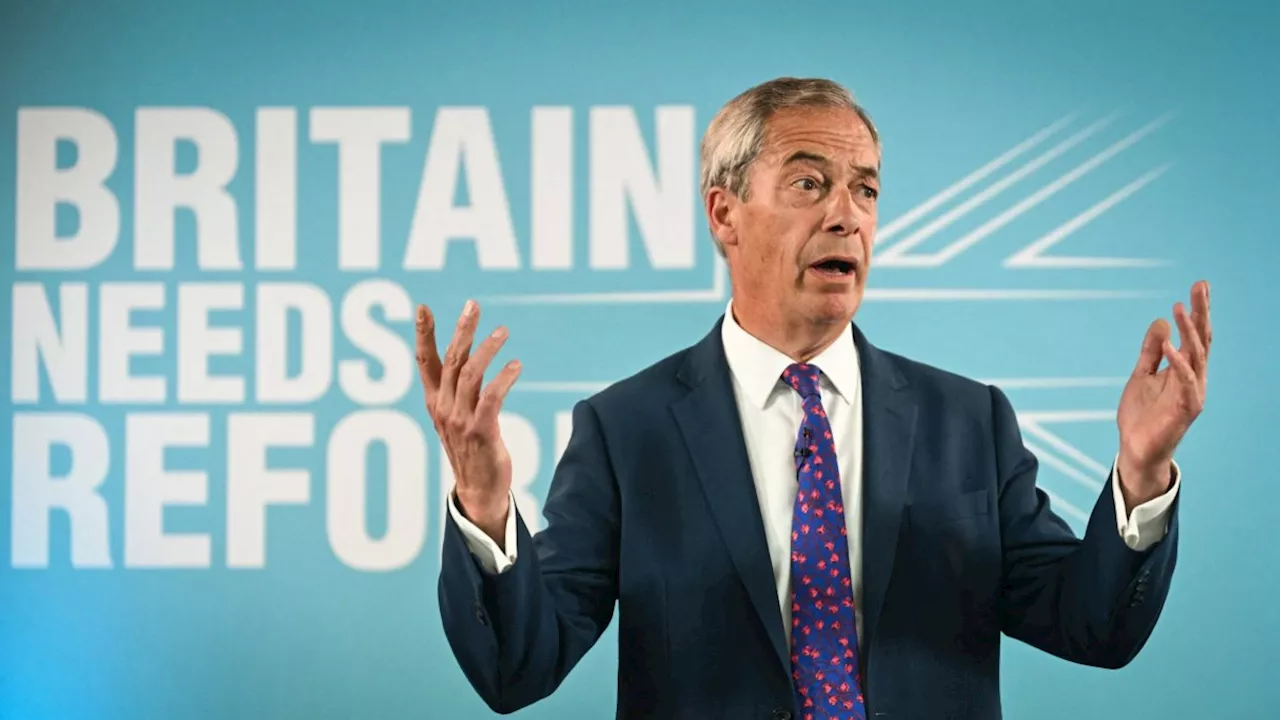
<point x="655" y="385"/>
<point x="945" y="390"/>
<point x="631" y="417"/>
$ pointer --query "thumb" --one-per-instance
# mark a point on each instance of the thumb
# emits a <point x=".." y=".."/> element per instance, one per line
<point x="1152" y="348"/>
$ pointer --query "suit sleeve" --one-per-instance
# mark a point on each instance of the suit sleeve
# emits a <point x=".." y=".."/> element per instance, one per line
<point x="518" y="633"/>
<point x="1092" y="600"/>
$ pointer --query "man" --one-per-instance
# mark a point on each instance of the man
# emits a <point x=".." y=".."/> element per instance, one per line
<point x="791" y="521"/>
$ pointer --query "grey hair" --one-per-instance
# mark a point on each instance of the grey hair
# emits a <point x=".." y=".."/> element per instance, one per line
<point x="736" y="134"/>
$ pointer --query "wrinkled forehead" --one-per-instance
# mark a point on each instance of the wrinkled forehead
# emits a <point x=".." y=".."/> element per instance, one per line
<point x="817" y="135"/>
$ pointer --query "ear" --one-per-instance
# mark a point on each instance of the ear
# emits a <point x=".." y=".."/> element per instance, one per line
<point x="721" y="206"/>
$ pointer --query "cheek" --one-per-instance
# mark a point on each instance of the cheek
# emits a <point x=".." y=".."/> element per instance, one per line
<point x="774" y="242"/>
<point x="779" y="251"/>
<point x="766" y="239"/>
<point x="868" y="234"/>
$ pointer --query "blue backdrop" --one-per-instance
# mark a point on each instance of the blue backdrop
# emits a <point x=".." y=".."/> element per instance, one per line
<point x="225" y="496"/>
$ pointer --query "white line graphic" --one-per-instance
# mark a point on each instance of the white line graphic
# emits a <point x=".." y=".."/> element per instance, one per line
<point x="1055" y="383"/>
<point x="888" y="230"/>
<point x="1053" y="461"/>
<point x="1032" y="256"/>
<point x="937" y="294"/>
<point x="1065" y="448"/>
<point x="1061" y="455"/>
<point x="896" y="254"/>
<point x="1021" y="207"/>
<point x="1065" y="416"/>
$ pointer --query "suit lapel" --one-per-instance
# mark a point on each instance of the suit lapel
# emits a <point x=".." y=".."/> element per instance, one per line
<point x="889" y="418"/>
<point x="708" y="419"/>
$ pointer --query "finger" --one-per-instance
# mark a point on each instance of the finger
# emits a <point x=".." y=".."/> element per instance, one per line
<point x="1190" y="346"/>
<point x="493" y="395"/>
<point x="1180" y="368"/>
<point x="1185" y="378"/>
<point x="472" y="374"/>
<point x="428" y="357"/>
<point x="1200" y="315"/>
<point x="458" y="353"/>
<point x="1149" y="357"/>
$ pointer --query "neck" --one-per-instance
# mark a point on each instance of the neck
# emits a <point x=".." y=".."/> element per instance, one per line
<point x="797" y="338"/>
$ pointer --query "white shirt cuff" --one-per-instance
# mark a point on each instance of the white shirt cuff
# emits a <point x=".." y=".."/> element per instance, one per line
<point x="1147" y="523"/>
<point x="485" y="550"/>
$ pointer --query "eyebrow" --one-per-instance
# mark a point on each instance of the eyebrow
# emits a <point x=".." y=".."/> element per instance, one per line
<point x="866" y="171"/>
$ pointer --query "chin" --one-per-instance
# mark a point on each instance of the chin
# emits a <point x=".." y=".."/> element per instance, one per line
<point x="836" y="308"/>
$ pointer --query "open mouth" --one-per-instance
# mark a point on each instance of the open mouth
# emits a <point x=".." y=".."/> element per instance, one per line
<point x="835" y="266"/>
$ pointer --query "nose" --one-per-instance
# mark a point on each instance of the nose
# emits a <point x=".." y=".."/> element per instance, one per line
<point x="842" y="213"/>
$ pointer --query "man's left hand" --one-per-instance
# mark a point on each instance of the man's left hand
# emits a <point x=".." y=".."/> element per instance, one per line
<point x="1159" y="405"/>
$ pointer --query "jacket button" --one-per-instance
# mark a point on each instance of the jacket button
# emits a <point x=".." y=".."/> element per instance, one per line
<point x="781" y="714"/>
<point x="484" y="620"/>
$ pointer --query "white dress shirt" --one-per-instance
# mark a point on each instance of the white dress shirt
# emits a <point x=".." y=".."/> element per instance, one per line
<point x="771" y="414"/>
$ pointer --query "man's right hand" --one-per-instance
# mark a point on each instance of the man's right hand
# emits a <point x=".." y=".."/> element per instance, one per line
<point x="466" y="416"/>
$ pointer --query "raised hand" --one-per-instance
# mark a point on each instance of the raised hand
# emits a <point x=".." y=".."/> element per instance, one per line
<point x="1159" y="405"/>
<point x="465" y="415"/>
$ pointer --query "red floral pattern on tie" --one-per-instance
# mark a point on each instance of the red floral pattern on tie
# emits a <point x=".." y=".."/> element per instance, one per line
<point x="824" y="636"/>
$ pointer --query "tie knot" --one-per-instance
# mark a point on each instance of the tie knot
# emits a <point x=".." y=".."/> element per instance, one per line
<point x="804" y="378"/>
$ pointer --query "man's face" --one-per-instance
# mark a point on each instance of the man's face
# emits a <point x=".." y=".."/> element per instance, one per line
<point x="800" y="246"/>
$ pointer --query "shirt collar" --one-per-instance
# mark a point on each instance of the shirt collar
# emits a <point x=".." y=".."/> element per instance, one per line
<point x="758" y="367"/>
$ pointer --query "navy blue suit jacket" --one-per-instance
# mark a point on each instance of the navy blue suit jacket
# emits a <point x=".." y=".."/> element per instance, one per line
<point x="652" y="508"/>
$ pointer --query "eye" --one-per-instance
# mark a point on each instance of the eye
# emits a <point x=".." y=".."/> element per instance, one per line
<point x="870" y="192"/>
<point x="806" y="183"/>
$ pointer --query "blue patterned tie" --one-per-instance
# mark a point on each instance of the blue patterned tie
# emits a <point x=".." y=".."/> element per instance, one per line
<point x="824" y="636"/>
